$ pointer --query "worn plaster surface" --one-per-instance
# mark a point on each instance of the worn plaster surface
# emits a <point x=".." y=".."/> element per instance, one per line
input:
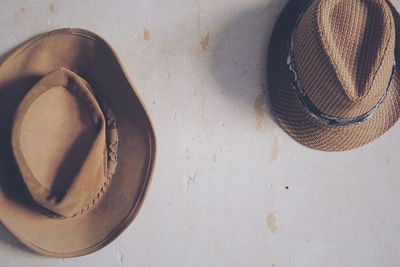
<point x="230" y="187"/>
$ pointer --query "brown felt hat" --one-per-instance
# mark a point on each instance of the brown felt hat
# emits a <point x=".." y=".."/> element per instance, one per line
<point x="332" y="75"/>
<point x="77" y="147"/>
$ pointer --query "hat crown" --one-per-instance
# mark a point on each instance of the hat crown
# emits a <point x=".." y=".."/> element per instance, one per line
<point x="59" y="143"/>
<point x="344" y="53"/>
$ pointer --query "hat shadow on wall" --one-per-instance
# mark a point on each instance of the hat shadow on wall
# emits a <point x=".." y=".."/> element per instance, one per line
<point x="240" y="54"/>
<point x="6" y="238"/>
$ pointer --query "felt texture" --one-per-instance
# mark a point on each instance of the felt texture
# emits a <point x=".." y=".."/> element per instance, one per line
<point x="77" y="148"/>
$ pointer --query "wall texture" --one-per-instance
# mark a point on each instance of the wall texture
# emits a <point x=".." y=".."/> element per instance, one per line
<point x="230" y="187"/>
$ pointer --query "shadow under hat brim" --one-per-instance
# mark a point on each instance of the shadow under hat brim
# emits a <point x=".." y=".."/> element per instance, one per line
<point x="293" y="116"/>
<point x="93" y="59"/>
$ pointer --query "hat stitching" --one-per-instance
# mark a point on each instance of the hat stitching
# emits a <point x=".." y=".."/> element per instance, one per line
<point x="112" y="155"/>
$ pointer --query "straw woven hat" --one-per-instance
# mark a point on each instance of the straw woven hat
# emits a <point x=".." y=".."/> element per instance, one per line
<point x="77" y="147"/>
<point x="332" y="73"/>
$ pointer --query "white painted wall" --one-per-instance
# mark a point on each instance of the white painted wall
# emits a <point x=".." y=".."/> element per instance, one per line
<point x="218" y="196"/>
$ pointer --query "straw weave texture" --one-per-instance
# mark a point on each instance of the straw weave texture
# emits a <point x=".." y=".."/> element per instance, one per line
<point x="344" y="53"/>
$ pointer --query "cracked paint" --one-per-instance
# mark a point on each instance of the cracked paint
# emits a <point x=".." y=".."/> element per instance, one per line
<point x="191" y="179"/>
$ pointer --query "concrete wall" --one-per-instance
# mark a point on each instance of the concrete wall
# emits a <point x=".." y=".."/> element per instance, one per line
<point x="230" y="187"/>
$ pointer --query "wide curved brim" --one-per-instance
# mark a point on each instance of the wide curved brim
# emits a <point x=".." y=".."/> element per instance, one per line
<point x="93" y="59"/>
<point x="295" y="119"/>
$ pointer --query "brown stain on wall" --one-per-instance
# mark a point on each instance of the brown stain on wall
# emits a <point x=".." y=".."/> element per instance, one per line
<point x="52" y="7"/>
<point x="275" y="148"/>
<point x="259" y="110"/>
<point x="215" y="158"/>
<point x="271" y="223"/>
<point x="204" y="42"/>
<point x="146" y="35"/>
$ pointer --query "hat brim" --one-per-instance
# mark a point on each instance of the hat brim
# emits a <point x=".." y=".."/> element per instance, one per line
<point x="93" y="59"/>
<point x="295" y="119"/>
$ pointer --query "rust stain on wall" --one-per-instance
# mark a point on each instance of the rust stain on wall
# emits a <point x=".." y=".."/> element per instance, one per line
<point x="215" y="158"/>
<point x="146" y="35"/>
<point x="259" y="110"/>
<point x="205" y="41"/>
<point x="52" y="7"/>
<point x="271" y="223"/>
<point x="275" y="148"/>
